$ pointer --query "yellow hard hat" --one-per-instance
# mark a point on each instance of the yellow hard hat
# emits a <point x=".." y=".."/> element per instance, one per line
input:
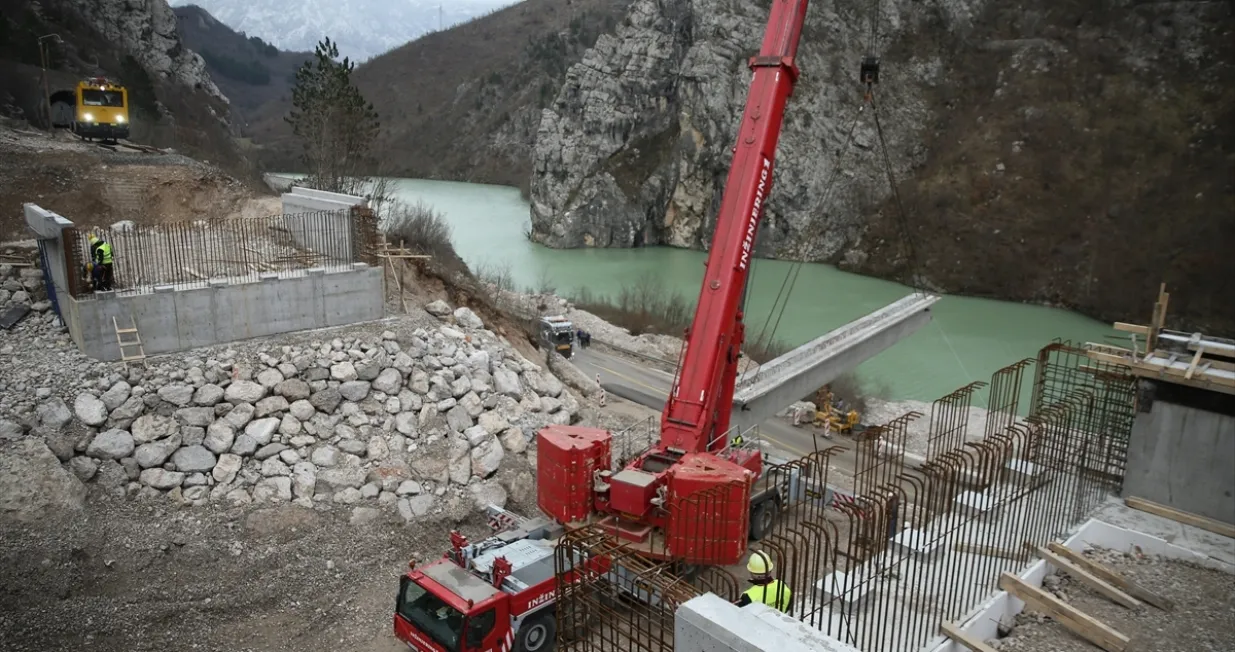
<point x="759" y="563"/>
<point x="93" y="238"/>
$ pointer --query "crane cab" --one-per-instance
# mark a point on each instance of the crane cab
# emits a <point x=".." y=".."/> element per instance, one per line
<point x="444" y="608"/>
<point x="101" y="110"/>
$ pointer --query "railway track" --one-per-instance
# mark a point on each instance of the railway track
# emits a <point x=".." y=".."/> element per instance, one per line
<point x="145" y="149"/>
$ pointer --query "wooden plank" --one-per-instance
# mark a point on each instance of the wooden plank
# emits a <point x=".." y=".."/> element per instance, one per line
<point x="1115" y="579"/>
<point x="1078" y="622"/>
<point x="1136" y="329"/>
<point x="1088" y="579"/>
<point x="1187" y="518"/>
<point x="1200" y="350"/>
<point x="986" y="551"/>
<point x="961" y="636"/>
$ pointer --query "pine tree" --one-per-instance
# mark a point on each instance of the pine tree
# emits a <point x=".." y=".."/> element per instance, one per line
<point x="338" y="126"/>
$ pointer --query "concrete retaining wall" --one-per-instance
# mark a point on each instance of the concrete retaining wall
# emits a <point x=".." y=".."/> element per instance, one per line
<point x="1182" y="451"/>
<point x="171" y="319"/>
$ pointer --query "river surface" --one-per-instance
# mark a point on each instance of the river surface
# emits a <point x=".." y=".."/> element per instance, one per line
<point x="968" y="339"/>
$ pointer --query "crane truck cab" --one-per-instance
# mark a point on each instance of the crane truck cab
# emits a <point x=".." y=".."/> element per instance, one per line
<point x="557" y="333"/>
<point x="495" y="594"/>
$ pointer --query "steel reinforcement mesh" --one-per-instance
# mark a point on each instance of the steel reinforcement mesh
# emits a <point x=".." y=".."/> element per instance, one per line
<point x="913" y="546"/>
<point x="192" y="253"/>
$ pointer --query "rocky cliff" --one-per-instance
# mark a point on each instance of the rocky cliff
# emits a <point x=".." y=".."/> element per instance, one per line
<point x="636" y="148"/>
<point x="1040" y="152"/>
<point x="146" y="30"/>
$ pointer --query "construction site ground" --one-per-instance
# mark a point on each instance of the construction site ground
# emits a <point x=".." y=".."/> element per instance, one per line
<point x="97" y="186"/>
<point x="134" y="576"/>
<point x="1203" y="619"/>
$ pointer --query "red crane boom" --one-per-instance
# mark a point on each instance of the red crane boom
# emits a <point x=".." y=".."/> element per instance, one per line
<point x="702" y="394"/>
<point x="689" y="496"/>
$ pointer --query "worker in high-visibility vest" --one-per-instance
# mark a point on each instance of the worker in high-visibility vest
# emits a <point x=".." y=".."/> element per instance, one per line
<point x="767" y="589"/>
<point x="101" y="254"/>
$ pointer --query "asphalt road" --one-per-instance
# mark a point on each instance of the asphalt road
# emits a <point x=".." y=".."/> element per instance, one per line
<point x="647" y="385"/>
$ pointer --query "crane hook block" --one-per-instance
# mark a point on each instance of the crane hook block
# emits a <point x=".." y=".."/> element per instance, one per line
<point x="870" y="70"/>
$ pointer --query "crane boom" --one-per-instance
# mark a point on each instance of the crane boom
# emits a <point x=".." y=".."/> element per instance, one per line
<point x="702" y="395"/>
<point x="689" y="496"/>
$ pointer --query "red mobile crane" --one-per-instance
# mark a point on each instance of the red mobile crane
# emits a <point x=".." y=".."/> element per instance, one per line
<point x="688" y="497"/>
<point x="655" y="501"/>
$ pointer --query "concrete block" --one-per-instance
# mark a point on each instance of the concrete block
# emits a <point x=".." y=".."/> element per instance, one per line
<point x="1024" y="472"/>
<point x="164" y="288"/>
<point x="850" y="593"/>
<point x="976" y="504"/>
<point x="268" y="276"/>
<point x="918" y="543"/>
<point x="710" y="624"/>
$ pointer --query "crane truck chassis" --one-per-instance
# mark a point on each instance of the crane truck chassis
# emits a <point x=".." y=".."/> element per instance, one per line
<point x="498" y="594"/>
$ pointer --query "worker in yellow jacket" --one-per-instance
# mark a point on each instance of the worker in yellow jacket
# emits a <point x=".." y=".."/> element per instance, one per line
<point x="101" y="255"/>
<point x="767" y="589"/>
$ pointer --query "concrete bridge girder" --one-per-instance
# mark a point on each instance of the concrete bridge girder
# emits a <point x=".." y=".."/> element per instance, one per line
<point x="763" y="392"/>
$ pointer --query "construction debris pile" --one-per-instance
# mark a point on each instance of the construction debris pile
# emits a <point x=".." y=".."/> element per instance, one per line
<point x="420" y="423"/>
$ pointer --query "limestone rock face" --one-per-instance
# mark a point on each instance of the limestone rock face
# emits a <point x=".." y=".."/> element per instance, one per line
<point x="146" y="29"/>
<point x="637" y="146"/>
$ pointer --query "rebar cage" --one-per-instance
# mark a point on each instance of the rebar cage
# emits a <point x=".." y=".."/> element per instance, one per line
<point x="191" y="253"/>
<point x="880" y="564"/>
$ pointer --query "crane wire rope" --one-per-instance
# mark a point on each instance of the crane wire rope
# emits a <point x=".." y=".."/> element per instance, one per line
<point x="791" y="276"/>
<point x="902" y="221"/>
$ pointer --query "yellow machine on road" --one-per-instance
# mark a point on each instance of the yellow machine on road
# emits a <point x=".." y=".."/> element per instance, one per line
<point x="834" y="416"/>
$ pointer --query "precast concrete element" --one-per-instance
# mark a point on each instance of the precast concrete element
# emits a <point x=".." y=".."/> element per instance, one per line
<point x="173" y="319"/>
<point x="315" y="219"/>
<point x="1181" y="452"/>
<point x="278" y="183"/>
<point x="763" y="392"/>
<point x="710" y="624"/>
<point x="48" y="228"/>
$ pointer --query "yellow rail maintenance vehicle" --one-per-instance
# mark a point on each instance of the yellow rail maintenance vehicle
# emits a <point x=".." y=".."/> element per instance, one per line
<point x="97" y="108"/>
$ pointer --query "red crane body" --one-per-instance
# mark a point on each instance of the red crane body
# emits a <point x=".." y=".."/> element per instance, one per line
<point x="691" y="486"/>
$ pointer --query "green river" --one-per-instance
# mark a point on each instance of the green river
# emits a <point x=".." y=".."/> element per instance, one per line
<point x="967" y="340"/>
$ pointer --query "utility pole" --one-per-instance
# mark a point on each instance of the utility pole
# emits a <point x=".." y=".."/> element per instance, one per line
<point x="43" y="57"/>
<point x="439" y="16"/>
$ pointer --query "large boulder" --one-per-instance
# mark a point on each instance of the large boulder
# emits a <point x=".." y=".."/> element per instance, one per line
<point x="90" y="410"/>
<point x="111" y="445"/>
<point x="33" y="484"/>
<point x="54" y="414"/>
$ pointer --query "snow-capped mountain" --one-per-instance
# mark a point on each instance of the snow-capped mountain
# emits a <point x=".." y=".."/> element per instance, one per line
<point x="362" y="28"/>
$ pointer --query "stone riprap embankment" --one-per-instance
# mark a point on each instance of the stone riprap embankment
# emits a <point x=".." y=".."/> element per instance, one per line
<point x="412" y="422"/>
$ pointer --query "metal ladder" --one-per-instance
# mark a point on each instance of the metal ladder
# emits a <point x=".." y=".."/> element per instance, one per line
<point x="125" y="356"/>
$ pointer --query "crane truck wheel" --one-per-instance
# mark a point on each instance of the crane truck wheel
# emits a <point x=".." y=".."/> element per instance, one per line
<point x="763" y="519"/>
<point x="538" y="635"/>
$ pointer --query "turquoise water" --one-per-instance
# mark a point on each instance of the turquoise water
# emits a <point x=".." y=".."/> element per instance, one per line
<point x="967" y="340"/>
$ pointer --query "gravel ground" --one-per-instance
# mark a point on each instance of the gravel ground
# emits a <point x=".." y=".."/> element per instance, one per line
<point x="1203" y="619"/>
<point x="132" y="576"/>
